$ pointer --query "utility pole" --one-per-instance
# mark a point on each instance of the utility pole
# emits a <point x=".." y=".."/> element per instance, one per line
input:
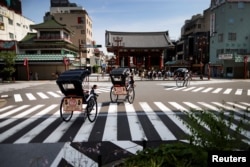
<point x="80" y="54"/>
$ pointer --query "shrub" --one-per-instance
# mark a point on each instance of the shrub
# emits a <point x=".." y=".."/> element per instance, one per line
<point x="220" y="132"/>
<point x="172" y="155"/>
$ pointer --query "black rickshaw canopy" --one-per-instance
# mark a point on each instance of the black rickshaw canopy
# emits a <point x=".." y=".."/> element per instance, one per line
<point x="74" y="77"/>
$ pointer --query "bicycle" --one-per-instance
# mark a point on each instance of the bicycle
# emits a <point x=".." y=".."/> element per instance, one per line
<point x="120" y="88"/>
<point x="182" y="77"/>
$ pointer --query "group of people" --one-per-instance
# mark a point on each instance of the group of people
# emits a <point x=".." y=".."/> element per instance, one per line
<point x="156" y="74"/>
<point x="33" y="77"/>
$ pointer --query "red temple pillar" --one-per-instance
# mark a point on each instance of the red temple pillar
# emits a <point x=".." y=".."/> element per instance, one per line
<point x="128" y="60"/>
<point x="161" y="62"/>
<point x="149" y="62"/>
<point x="117" y="59"/>
<point x="134" y="61"/>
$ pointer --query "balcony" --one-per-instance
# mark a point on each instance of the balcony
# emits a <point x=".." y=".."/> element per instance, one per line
<point x="52" y="39"/>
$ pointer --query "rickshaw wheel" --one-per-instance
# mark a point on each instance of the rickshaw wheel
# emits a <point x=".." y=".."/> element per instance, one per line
<point x="113" y="96"/>
<point x="91" y="109"/>
<point x="65" y="115"/>
<point x="179" y="81"/>
<point x="131" y="95"/>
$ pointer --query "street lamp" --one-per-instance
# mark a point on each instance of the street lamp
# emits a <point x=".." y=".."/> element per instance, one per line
<point x="118" y="44"/>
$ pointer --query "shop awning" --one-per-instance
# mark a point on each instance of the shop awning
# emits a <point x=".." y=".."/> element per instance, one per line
<point x="44" y="57"/>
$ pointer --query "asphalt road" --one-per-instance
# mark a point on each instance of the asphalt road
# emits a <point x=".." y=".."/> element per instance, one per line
<point x="32" y="131"/>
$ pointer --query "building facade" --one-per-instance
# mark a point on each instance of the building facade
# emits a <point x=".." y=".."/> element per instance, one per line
<point x="193" y="46"/>
<point x="80" y="23"/>
<point x="230" y="37"/>
<point x="46" y="53"/>
<point x="140" y="50"/>
<point x="13" y="26"/>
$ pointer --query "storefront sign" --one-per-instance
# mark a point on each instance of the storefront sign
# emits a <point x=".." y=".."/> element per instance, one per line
<point x="225" y="56"/>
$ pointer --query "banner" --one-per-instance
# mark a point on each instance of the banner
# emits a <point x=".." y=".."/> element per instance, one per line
<point x="25" y="62"/>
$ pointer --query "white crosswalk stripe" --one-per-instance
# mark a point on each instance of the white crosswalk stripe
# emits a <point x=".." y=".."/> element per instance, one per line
<point x="27" y="137"/>
<point x="6" y="108"/>
<point x="23" y="124"/>
<point x="59" y="131"/>
<point x="53" y="94"/>
<point x="13" y="111"/>
<point x="225" y="91"/>
<point x="42" y="95"/>
<point x="188" y="89"/>
<point x="238" y="91"/>
<point x="85" y="130"/>
<point x="217" y="90"/>
<point x="198" y="89"/>
<point x="173" y="117"/>
<point x="137" y="133"/>
<point x="46" y="95"/>
<point x="110" y="131"/>
<point x="11" y="131"/>
<point x="158" y="125"/>
<point x="207" y="90"/>
<point x="30" y="96"/>
<point x="18" y="98"/>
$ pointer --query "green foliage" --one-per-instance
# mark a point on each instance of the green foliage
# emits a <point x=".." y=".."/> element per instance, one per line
<point x="216" y="130"/>
<point x="171" y="155"/>
<point x="9" y="63"/>
<point x="95" y="68"/>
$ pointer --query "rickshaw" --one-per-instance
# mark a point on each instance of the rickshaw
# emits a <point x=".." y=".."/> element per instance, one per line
<point x="74" y="84"/>
<point x="182" y="77"/>
<point x="121" y="87"/>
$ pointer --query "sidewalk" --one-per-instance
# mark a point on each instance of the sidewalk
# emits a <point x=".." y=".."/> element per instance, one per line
<point x="10" y="86"/>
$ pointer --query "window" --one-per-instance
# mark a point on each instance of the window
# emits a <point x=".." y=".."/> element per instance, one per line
<point x="220" y="38"/>
<point x="10" y="22"/>
<point x="82" y="31"/>
<point x="231" y="21"/>
<point x="241" y="5"/>
<point x="2" y="26"/>
<point x="218" y="52"/>
<point x="80" y="20"/>
<point x="1" y="19"/>
<point x="11" y="35"/>
<point x="232" y="36"/>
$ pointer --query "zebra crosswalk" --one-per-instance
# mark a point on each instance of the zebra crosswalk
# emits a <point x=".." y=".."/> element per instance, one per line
<point x="45" y="95"/>
<point x="225" y="91"/>
<point x="156" y="121"/>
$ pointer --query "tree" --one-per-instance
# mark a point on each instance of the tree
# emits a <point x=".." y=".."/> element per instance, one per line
<point x="8" y="69"/>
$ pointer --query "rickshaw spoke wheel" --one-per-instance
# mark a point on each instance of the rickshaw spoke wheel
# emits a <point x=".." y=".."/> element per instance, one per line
<point x="65" y="115"/>
<point x="179" y="81"/>
<point x="131" y="95"/>
<point x="113" y="96"/>
<point x="91" y="109"/>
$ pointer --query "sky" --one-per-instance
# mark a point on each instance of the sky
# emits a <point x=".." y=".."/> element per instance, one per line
<point x="127" y="15"/>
